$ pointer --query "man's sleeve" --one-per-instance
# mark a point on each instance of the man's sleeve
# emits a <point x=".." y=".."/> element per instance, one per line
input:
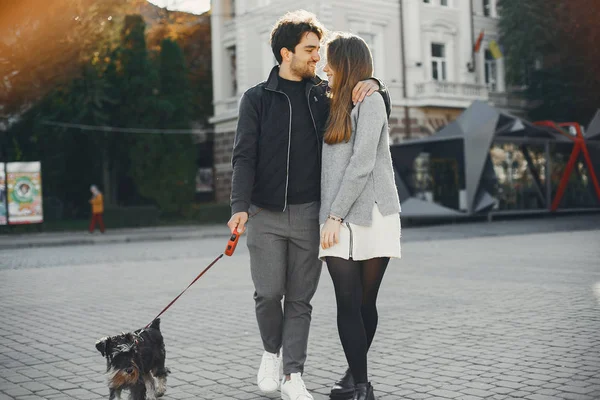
<point x="386" y="96"/>
<point x="244" y="155"/>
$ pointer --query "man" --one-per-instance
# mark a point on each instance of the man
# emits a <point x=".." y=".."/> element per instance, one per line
<point x="276" y="186"/>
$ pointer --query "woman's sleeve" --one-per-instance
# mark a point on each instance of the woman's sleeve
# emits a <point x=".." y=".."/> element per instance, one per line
<point x="370" y="122"/>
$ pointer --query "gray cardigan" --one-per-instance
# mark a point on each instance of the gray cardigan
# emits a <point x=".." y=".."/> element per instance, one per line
<point x="358" y="174"/>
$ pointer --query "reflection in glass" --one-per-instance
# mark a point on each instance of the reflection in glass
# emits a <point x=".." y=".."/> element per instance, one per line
<point x="438" y="175"/>
<point x="422" y="178"/>
<point x="520" y="173"/>
<point x="579" y="191"/>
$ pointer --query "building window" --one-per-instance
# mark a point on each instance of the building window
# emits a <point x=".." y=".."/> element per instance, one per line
<point x="490" y="8"/>
<point x="232" y="60"/>
<point x="268" y="58"/>
<point x="438" y="62"/>
<point x="491" y="71"/>
<point x="487" y="8"/>
<point x="369" y="39"/>
<point x="373" y="35"/>
<point x="443" y="3"/>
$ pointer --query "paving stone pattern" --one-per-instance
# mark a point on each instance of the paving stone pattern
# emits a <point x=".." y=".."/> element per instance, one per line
<point x="494" y="316"/>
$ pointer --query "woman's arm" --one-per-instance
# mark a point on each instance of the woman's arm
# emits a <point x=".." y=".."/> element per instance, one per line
<point x="370" y="123"/>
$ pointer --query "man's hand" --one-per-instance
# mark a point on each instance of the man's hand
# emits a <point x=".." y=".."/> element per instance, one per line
<point x="364" y="89"/>
<point x="238" y="220"/>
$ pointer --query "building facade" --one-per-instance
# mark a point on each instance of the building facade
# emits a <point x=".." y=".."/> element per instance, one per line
<point x="422" y="49"/>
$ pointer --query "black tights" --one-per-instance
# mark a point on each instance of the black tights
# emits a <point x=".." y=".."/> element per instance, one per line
<point x="356" y="286"/>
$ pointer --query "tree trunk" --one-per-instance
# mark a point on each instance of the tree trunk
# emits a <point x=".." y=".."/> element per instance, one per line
<point x="106" y="172"/>
<point x="114" y="183"/>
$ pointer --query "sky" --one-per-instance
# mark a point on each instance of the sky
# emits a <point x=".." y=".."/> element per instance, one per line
<point x="192" y="6"/>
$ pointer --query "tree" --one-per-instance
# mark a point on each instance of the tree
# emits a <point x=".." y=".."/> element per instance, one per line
<point x="164" y="165"/>
<point x="44" y="44"/>
<point x="551" y="50"/>
<point x="192" y="33"/>
<point x="98" y="71"/>
<point x="196" y="44"/>
<point x="579" y="54"/>
<point x="70" y="160"/>
<point x="161" y="165"/>
<point x="525" y="36"/>
<point x="92" y="99"/>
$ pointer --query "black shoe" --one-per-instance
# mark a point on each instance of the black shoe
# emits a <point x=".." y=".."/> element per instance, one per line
<point x="344" y="388"/>
<point x="363" y="391"/>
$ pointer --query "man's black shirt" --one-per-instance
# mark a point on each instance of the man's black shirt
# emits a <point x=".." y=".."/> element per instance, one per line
<point x="304" y="171"/>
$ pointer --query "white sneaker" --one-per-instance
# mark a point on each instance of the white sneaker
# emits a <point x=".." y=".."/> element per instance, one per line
<point x="268" y="373"/>
<point x="294" y="389"/>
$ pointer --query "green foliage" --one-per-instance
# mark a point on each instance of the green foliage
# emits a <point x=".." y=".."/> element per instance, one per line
<point x="174" y="86"/>
<point x="163" y="166"/>
<point x="116" y="217"/>
<point x="43" y="46"/>
<point x="113" y="79"/>
<point x="553" y="95"/>
<point x="197" y="49"/>
<point x="137" y="79"/>
<point x="525" y="35"/>
<point x="551" y="52"/>
<point x="69" y="159"/>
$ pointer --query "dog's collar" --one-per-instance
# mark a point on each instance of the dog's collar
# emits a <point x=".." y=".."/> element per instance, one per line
<point x="137" y="337"/>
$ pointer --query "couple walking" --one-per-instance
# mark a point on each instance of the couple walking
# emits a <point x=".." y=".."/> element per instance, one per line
<point x="313" y="181"/>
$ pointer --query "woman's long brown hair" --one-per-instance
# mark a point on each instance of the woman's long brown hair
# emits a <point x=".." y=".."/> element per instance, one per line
<point x="350" y="59"/>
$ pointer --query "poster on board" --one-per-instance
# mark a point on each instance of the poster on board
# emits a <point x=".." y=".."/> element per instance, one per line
<point x="24" y="182"/>
<point x="204" y="180"/>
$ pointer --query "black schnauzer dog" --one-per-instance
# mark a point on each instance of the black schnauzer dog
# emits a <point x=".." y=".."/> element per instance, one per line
<point x="133" y="360"/>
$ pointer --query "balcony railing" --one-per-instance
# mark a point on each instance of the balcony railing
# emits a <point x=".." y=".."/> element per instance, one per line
<point x="451" y="91"/>
<point x="510" y="100"/>
<point x="226" y="108"/>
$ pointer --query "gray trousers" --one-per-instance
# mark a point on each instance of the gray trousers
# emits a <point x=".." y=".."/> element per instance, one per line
<point x="284" y="263"/>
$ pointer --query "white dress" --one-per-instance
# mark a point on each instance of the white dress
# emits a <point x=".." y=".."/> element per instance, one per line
<point x="381" y="239"/>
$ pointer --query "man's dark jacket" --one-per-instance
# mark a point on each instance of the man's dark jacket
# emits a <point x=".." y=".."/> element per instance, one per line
<point x="261" y="150"/>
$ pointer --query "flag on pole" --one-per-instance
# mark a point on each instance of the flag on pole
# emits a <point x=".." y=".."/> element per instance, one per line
<point x="478" y="42"/>
<point x="495" y="50"/>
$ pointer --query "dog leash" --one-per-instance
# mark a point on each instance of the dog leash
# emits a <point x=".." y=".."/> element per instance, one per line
<point x="229" y="249"/>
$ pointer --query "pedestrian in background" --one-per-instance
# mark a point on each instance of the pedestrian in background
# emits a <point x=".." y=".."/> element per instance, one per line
<point x="97" y="202"/>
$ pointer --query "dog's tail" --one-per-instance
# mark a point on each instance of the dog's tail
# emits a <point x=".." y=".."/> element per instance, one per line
<point x="155" y="324"/>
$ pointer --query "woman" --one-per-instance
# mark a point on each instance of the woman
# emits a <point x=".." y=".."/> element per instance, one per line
<point x="360" y="210"/>
<point x="97" y="202"/>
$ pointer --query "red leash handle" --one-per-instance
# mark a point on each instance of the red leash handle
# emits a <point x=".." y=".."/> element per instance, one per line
<point x="229" y="249"/>
<point x="232" y="243"/>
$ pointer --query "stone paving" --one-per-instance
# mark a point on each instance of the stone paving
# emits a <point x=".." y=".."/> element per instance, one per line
<point x="505" y="310"/>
